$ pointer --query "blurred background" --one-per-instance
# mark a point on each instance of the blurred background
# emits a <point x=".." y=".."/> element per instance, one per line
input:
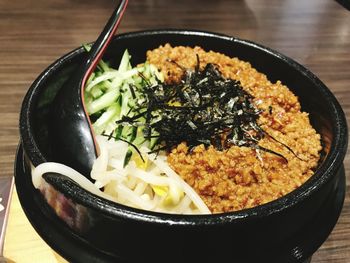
<point x="34" y="33"/>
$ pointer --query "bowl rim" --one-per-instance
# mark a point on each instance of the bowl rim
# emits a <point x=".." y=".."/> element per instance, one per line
<point x="322" y="175"/>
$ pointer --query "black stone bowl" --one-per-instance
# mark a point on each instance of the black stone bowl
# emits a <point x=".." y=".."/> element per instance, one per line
<point x="81" y="226"/>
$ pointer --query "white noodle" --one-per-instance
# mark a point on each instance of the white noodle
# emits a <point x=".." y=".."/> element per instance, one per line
<point x="51" y="167"/>
<point x="135" y="199"/>
<point x="148" y="177"/>
<point x="140" y="189"/>
<point x="131" y="182"/>
<point x="161" y="163"/>
<point x="115" y="163"/>
<point x="183" y="205"/>
<point x="131" y="185"/>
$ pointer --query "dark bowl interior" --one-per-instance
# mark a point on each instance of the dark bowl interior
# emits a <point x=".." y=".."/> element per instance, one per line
<point x="279" y="220"/>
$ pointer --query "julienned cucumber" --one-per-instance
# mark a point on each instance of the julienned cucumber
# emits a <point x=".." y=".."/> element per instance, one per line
<point x="113" y="94"/>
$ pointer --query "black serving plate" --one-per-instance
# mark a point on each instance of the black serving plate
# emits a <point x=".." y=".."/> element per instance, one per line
<point x="289" y="229"/>
<point x="71" y="247"/>
<point x="51" y="229"/>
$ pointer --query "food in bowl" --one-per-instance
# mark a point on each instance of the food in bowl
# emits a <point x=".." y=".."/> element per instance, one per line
<point x="191" y="131"/>
<point x="109" y="229"/>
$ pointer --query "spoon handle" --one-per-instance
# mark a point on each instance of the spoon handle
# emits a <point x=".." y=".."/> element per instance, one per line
<point x="100" y="45"/>
<point x="70" y="127"/>
<point x="95" y="54"/>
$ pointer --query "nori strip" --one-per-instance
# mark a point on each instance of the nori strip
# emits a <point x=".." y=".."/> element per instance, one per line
<point x="204" y="108"/>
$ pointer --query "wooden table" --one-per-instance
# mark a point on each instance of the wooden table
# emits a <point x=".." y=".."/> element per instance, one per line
<point x="316" y="33"/>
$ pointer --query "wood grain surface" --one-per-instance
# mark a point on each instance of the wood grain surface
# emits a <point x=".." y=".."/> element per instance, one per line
<point x="22" y="242"/>
<point x="316" y="33"/>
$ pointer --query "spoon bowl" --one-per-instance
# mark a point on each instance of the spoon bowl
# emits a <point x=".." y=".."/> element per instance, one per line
<point x="74" y="144"/>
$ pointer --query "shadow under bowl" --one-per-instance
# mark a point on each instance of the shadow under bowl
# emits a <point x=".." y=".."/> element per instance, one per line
<point x="289" y="229"/>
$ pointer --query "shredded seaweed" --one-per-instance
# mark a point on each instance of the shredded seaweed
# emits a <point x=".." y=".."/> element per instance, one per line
<point x="270" y="109"/>
<point x="203" y="108"/>
<point x="284" y="145"/>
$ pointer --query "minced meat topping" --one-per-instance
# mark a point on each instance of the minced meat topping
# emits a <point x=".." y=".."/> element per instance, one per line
<point x="242" y="177"/>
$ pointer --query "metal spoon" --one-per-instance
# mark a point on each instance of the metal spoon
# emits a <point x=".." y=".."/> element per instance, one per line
<point x="70" y="128"/>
